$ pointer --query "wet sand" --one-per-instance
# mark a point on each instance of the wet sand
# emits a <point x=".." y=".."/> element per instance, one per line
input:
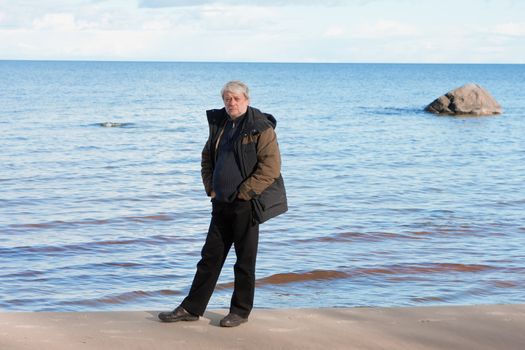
<point x="450" y="328"/>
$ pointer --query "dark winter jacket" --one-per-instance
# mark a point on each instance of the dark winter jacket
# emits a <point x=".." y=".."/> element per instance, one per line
<point x="258" y="157"/>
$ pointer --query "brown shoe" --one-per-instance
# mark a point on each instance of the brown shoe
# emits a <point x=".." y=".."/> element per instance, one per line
<point x="232" y="320"/>
<point x="179" y="314"/>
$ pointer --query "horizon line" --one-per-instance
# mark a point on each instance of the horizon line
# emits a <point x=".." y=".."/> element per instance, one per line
<point x="250" y="62"/>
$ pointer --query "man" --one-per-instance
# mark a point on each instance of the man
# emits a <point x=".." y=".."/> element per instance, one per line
<point x="241" y="172"/>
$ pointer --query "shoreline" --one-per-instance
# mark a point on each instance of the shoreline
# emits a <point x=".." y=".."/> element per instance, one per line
<point x="433" y="327"/>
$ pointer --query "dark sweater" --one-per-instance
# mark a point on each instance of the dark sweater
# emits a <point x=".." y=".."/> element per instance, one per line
<point x="227" y="176"/>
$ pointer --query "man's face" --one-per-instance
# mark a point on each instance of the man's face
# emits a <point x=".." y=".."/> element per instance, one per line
<point x="236" y="104"/>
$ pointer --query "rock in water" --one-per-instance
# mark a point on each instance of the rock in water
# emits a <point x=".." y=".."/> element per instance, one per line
<point x="113" y="125"/>
<point x="468" y="99"/>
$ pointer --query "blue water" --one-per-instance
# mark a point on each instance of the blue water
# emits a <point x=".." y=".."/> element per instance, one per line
<point x="389" y="205"/>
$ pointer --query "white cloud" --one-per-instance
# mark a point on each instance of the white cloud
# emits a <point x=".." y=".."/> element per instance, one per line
<point x="170" y="3"/>
<point x="237" y="18"/>
<point x="55" y="21"/>
<point x="185" y="3"/>
<point x="490" y="49"/>
<point x="334" y="32"/>
<point x="510" y="29"/>
<point x="87" y="44"/>
<point x="157" y="25"/>
<point x="384" y="29"/>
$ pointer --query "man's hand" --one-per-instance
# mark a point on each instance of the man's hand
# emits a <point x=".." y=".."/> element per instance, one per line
<point x="243" y="197"/>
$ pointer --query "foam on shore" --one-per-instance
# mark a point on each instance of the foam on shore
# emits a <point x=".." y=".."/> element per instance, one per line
<point x="421" y="328"/>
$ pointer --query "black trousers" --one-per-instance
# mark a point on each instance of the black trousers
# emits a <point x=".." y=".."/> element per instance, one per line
<point x="231" y="224"/>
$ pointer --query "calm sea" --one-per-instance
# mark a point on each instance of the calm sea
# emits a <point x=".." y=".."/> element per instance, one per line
<point x="389" y="205"/>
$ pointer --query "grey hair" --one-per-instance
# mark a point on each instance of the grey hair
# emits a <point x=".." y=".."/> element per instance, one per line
<point x="236" y="87"/>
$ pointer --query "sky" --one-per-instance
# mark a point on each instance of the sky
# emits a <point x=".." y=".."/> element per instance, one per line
<point x="397" y="31"/>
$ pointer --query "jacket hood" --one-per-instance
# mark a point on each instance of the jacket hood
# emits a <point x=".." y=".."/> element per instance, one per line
<point x="260" y="118"/>
<point x="271" y="119"/>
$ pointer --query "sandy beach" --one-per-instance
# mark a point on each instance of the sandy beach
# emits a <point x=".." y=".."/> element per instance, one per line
<point x="456" y="327"/>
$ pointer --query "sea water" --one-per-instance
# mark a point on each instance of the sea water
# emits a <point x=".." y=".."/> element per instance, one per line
<point x="388" y="205"/>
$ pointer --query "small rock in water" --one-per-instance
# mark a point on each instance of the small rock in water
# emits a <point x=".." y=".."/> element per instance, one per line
<point x="469" y="99"/>
<point x="112" y="124"/>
